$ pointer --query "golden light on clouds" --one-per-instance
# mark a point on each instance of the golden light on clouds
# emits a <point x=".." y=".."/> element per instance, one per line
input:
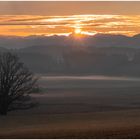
<point x="24" y="25"/>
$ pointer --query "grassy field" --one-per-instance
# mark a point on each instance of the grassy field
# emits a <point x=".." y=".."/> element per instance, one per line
<point x="99" y="109"/>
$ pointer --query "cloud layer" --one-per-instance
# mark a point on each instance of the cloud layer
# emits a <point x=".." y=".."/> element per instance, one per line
<point x="24" y="25"/>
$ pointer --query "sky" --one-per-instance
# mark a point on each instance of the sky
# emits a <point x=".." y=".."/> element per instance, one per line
<point x="63" y="18"/>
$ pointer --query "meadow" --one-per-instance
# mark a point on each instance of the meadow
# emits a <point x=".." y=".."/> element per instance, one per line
<point x="78" y="107"/>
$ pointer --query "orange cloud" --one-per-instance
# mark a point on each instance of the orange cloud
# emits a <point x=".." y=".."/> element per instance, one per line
<point x="24" y="25"/>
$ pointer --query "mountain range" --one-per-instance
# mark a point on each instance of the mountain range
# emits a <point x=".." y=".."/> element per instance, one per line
<point x="98" y="40"/>
<point x="101" y="54"/>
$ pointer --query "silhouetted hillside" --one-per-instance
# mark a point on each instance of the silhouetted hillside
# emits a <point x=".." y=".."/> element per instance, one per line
<point x="100" y="54"/>
<point x="106" y="61"/>
<point x="98" y="40"/>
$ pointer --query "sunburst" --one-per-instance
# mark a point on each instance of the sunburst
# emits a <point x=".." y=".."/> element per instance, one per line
<point x="77" y="31"/>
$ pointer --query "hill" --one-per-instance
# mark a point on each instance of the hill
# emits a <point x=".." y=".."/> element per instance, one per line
<point x="102" y="54"/>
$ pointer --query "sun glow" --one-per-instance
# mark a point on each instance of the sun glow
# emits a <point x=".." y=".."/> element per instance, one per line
<point x="78" y="31"/>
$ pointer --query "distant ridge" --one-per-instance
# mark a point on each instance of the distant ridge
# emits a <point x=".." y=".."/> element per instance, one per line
<point x="97" y="40"/>
<point x="101" y="54"/>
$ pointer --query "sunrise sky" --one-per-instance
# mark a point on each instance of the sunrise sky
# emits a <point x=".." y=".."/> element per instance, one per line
<point x="64" y="18"/>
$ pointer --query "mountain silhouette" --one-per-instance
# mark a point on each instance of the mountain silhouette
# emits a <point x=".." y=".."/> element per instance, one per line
<point x="102" y="54"/>
<point x="98" y="40"/>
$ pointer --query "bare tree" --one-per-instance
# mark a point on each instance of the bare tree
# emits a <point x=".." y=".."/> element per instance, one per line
<point x="15" y="80"/>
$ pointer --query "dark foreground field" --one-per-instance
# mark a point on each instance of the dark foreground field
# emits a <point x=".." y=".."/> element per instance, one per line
<point x="78" y="108"/>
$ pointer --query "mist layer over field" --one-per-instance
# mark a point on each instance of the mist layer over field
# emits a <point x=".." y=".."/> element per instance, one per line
<point x="65" y="94"/>
<point x="79" y="107"/>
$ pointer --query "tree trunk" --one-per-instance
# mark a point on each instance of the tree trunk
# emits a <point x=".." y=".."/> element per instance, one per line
<point x="3" y="111"/>
<point x="3" y="106"/>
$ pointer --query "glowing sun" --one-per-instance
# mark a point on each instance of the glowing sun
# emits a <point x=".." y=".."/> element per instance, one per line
<point x="78" y="31"/>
